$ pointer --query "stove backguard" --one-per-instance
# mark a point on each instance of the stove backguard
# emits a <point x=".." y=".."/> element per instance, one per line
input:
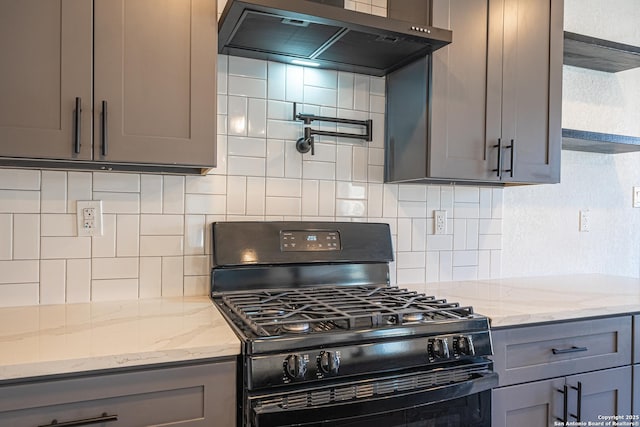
<point x="289" y="254"/>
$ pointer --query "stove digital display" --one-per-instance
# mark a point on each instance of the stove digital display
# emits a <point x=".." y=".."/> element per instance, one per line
<point x="309" y="241"/>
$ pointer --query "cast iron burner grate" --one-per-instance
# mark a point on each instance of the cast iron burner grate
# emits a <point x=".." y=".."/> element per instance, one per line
<point x="309" y="310"/>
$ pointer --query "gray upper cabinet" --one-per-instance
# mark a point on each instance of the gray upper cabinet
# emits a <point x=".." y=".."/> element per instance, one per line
<point x="150" y="66"/>
<point x="498" y="81"/>
<point x="46" y="49"/>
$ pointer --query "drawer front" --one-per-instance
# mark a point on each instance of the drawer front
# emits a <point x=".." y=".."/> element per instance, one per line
<point x="201" y="395"/>
<point x="557" y="349"/>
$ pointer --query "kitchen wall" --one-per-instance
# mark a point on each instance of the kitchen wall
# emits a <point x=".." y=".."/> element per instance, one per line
<point x="156" y="228"/>
<point x="541" y="222"/>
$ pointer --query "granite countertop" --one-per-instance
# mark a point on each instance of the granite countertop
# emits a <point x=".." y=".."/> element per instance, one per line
<point x="521" y="301"/>
<point x="59" y="339"/>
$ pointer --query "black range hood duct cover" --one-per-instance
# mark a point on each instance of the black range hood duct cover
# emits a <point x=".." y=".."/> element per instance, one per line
<point x="298" y="31"/>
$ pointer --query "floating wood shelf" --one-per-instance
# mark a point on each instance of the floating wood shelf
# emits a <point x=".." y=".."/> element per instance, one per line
<point x="595" y="142"/>
<point x="597" y="54"/>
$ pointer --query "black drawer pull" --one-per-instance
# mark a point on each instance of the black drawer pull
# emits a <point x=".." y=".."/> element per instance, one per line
<point x="565" y="407"/>
<point x="104" y="418"/>
<point x="77" y="114"/>
<point x="573" y="349"/>
<point x="103" y="128"/>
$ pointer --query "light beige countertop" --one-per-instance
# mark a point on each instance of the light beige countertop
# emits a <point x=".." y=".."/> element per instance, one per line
<point x="519" y="301"/>
<point x="60" y="339"/>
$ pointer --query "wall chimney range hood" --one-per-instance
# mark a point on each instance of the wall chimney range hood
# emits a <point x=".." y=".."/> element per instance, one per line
<point x="315" y="34"/>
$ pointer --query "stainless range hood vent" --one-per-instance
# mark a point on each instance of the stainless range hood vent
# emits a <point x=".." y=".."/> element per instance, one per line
<point x="315" y="34"/>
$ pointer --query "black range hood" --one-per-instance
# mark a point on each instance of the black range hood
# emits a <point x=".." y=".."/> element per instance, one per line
<point x="309" y="33"/>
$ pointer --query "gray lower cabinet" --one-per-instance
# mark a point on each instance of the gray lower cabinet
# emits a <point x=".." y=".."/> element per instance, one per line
<point x="194" y="395"/>
<point x="541" y="403"/>
<point x="581" y="368"/>
<point x="109" y="84"/>
<point x="487" y="107"/>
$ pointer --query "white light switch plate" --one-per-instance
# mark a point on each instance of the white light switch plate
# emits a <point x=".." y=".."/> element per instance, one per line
<point x="585" y="220"/>
<point x="89" y="217"/>
<point x="636" y="197"/>
<point x="440" y="222"/>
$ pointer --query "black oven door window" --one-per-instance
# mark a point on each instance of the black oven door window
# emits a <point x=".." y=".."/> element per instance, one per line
<point x="469" y="411"/>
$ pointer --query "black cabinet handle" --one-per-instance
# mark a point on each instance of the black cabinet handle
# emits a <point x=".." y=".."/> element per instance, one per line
<point x="499" y="167"/>
<point x="103" y="129"/>
<point x="77" y="115"/>
<point x="578" y="414"/>
<point x="512" y="148"/>
<point x="104" y="418"/>
<point x="573" y="349"/>
<point x="565" y="397"/>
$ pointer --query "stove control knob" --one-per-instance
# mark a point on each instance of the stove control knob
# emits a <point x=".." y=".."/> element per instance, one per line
<point x="439" y="348"/>
<point x="464" y="346"/>
<point x="295" y="366"/>
<point x="329" y="362"/>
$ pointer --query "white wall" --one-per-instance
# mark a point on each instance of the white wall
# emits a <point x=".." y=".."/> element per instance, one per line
<point x="541" y="222"/>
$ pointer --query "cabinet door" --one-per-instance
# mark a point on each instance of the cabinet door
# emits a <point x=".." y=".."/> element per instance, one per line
<point x="606" y="392"/>
<point x="536" y="404"/>
<point x="155" y="70"/>
<point x="635" y="405"/>
<point x="532" y="90"/>
<point x="46" y="50"/>
<point x="465" y="106"/>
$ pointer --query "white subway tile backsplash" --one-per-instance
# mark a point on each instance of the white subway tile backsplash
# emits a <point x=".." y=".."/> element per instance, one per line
<point x="249" y="87"/>
<point x="6" y="237"/>
<point x="360" y="164"/>
<point x="161" y="225"/>
<point x="26" y="236"/>
<point x="247" y="166"/>
<point x="204" y="204"/>
<point x="172" y="276"/>
<point x="116" y="182"/>
<point x="276" y="82"/>
<point x="318" y="170"/>
<point x="194" y="228"/>
<point x="58" y="225"/>
<point x="290" y="206"/>
<point x="78" y="280"/>
<point x="196" y="285"/>
<point x="53" y="277"/>
<point x="237" y="115"/>
<point x="157" y="227"/>
<point x="244" y="146"/>
<point x="53" y="197"/>
<point x="351" y="208"/>
<point x="237" y="195"/>
<point x="275" y="158"/>
<point x="128" y="235"/>
<point x="294" y="84"/>
<point x="114" y="268"/>
<point x="114" y="289"/>
<point x="118" y="203"/>
<point x="150" y="277"/>
<point x="257" y="118"/>
<point x="105" y="246"/>
<point x="173" y="199"/>
<point x="20" y="271"/>
<point x="161" y="245"/>
<point x="18" y="179"/>
<point x="247" y="67"/>
<point x="17" y="294"/>
<point x="196" y="265"/>
<point x="17" y="201"/>
<point x="151" y="194"/>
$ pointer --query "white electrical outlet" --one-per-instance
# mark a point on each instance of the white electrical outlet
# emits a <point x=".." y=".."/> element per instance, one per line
<point x="636" y="197"/>
<point x="585" y="220"/>
<point x="440" y="222"/>
<point x="89" y="218"/>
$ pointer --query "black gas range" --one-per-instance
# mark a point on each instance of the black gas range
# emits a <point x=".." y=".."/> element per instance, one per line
<point x="327" y="341"/>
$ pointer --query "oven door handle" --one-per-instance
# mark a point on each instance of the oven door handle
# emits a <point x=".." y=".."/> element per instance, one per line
<point x="273" y="417"/>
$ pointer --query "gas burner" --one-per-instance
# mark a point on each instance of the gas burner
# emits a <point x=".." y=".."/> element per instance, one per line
<point x="413" y="317"/>
<point x="298" y="327"/>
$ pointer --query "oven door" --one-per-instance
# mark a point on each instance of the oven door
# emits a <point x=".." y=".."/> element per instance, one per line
<point x="443" y="398"/>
